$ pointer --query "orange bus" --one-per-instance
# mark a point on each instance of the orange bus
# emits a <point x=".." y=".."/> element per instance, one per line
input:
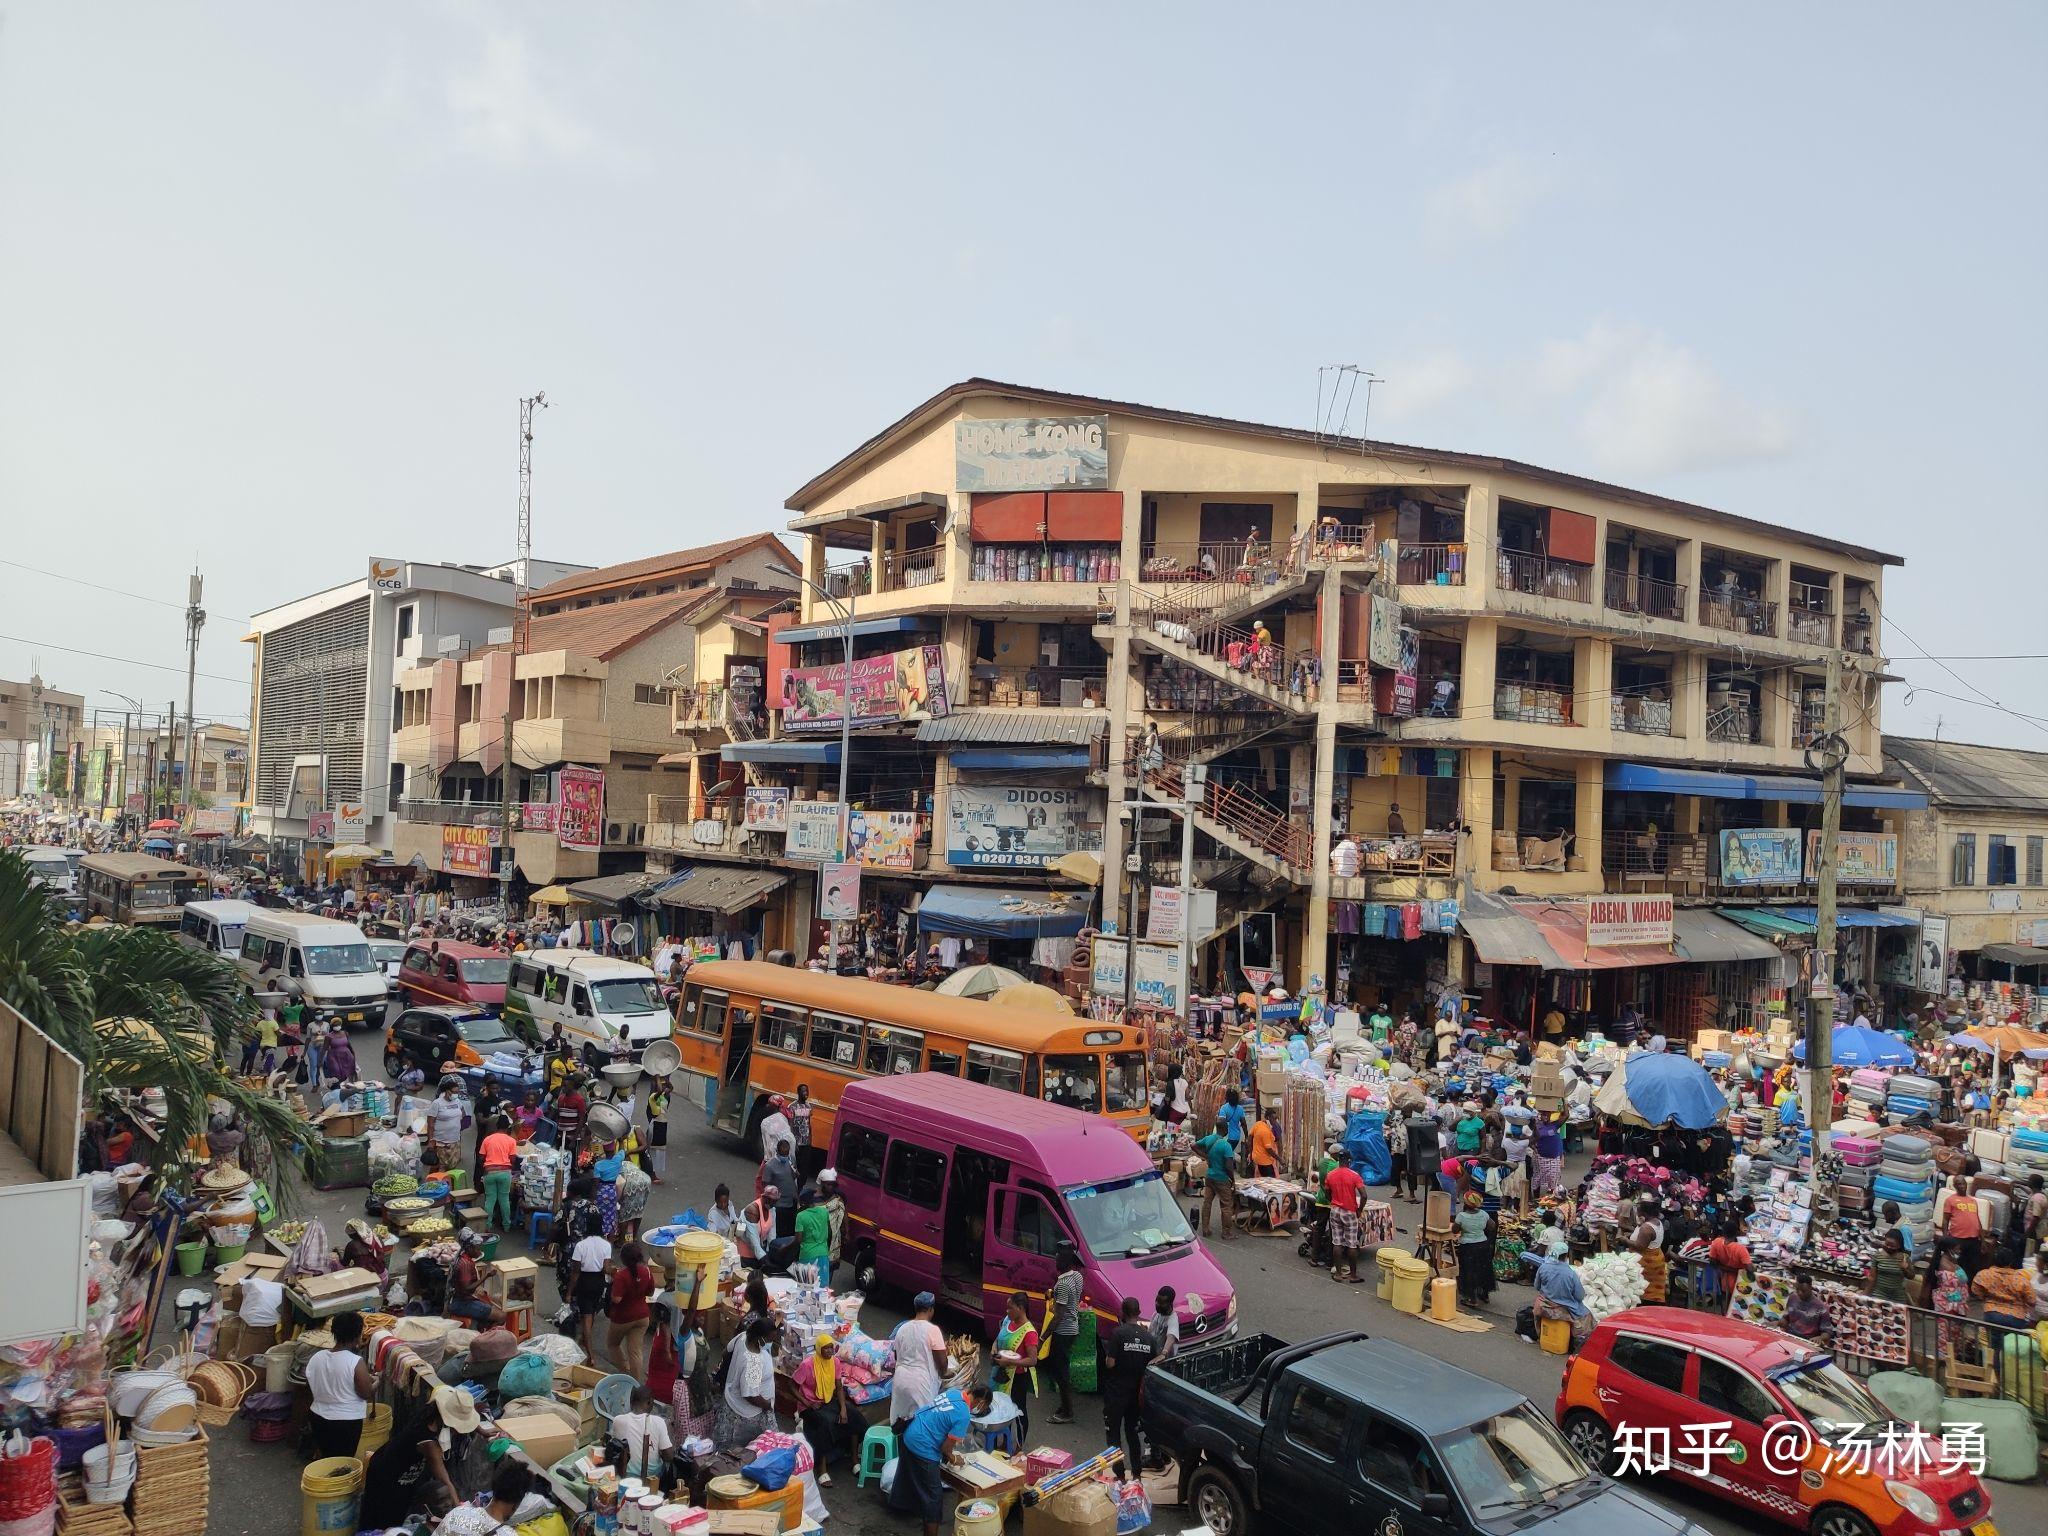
<point x="748" y="1030"/>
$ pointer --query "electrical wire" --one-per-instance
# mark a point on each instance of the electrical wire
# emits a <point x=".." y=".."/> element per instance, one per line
<point x="116" y="591"/>
<point x="126" y="661"/>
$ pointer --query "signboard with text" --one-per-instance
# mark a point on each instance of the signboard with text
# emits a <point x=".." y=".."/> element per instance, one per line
<point x="1020" y="826"/>
<point x="813" y="830"/>
<point x="351" y="821"/>
<point x="1155" y="977"/>
<point x="1107" y="967"/>
<point x="1933" y="952"/>
<point x="767" y="808"/>
<point x="1760" y="856"/>
<point x="838" y="892"/>
<point x="1613" y="921"/>
<point x="537" y="815"/>
<point x="468" y="850"/>
<point x="1031" y="453"/>
<point x="579" y="814"/>
<point x="1861" y="858"/>
<point x="905" y="685"/>
<point x="882" y="839"/>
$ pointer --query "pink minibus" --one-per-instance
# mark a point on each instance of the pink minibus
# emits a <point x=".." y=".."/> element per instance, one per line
<point x="966" y="1191"/>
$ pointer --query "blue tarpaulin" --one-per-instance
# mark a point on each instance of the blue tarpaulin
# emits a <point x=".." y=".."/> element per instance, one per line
<point x="1365" y="1139"/>
<point x="996" y="913"/>
<point x="1654" y="778"/>
<point x="1030" y="758"/>
<point x="1851" y="917"/>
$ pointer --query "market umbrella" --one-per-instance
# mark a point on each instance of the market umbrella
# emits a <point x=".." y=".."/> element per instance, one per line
<point x="2001" y="1040"/>
<point x="348" y="855"/>
<point x="981" y="981"/>
<point x="1858" y="1045"/>
<point x="162" y="824"/>
<point x="1081" y="868"/>
<point x="157" y="845"/>
<point x="554" y="896"/>
<point x="1031" y="995"/>
<point x="1656" y="1088"/>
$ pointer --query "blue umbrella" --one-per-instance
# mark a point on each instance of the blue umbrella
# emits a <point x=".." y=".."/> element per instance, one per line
<point x="1657" y="1088"/>
<point x="1858" y="1045"/>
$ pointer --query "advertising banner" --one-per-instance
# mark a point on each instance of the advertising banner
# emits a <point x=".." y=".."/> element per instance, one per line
<point x="579" y="816"/>
<point x="1155" y="978"/>
<point x="1760" y="856"/>
<point x="212" y="822"/>
<point x="813" y="831"/>
<point x="467" y="850"/>
<point x="1163" y="918"/>
<point x="1031" y="453"/>
<point x="320" y="826"/>
<point x="1861" y="858"/>
<point x="905" y="685"/>
<point x="1612" y="921"/>
<point x="2031" y="931"/>
<point x="1383" y="640"/>
<point x="1933" y="952"/>
<point x="351" y="821"/>
<point x="882" y="839"/>
<point x="1017" y="826"/>
<point x="537" y="815"/>
<point x="387" y="575"/>
<point x="767" y="808"/>
<point x="96" y="774"/>
<point x="838" y="892"/>
<point x="1107" y="965"/>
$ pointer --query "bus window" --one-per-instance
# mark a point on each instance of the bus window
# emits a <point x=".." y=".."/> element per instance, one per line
<point x="860" y="1154"/>
<point x="836" y="1040"/>
<point x="252" y="946"/>
<point x="782" y="1027"/>
<point x="999" y="1069"/>
<point x="704" y="1014"/>
<point x="1075" y="1081"/>
<point x="1125" y="1078"/>
<point x="916" y="1174"/>
<point x="892" y="1050"/>
<point x="943" y="1061"/>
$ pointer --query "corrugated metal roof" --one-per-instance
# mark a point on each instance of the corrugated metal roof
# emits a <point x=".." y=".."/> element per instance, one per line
<point x="1052" y="727"/>
<point x="720" y="887"/>
<point x="616" y="890"/>
<point x="1961" y="774"/>
<point x="678" y="561"/>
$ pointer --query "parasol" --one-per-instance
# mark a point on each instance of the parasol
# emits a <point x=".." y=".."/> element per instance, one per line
<point x="981" y="981"/>
<point x="555" y="896"/>
<point x="348" y="854"/>
<point x="1655" y="1088"/>
<point x="1858" y="1045"/>
<point x="162" y="824"/>
<point x="1034" y="997"/>
<point x="2001" y="1041"/>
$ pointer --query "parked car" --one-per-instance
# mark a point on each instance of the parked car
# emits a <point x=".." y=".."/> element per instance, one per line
<point x="1658" y="1369"/>
<point x="388" y="953"/>
<point x="461" y="975"/>
<point x="1350" y="1433"/>
<point x="443" y="1039"/>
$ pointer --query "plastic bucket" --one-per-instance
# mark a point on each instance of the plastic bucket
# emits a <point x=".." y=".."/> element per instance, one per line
<point x="376" y="1430"/>
<point x="699" y="1252"/>
<point x="977" y="1517"/>
<point x="1405" y="1288"/>
<point x="226" y="1253"/>
<point x="277" y="1367"/>
<point x="191" y="1258"/>
<point x="330" y="1492"/>
<point x="490" y="1247"/>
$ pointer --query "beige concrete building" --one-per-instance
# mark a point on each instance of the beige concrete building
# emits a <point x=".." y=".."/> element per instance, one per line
<point x="38" y="724"/>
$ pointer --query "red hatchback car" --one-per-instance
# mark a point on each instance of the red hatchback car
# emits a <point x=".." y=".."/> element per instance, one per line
<point x="1765" y="1420"/>
<point x="460" y="975"/>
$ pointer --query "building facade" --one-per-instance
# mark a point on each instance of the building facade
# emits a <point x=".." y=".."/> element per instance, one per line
<point x="38" y="727"/>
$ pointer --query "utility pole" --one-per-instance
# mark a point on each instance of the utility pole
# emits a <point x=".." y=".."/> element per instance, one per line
<point x="1820" y="997"/>
<point x="522" y="618"/>
<point x="1194" y="791"/>
<point x="195" y="620"/>
<point x="171" y="753"/>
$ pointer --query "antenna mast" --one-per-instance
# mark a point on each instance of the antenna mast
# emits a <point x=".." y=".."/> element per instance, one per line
<point x="523" y="610"/>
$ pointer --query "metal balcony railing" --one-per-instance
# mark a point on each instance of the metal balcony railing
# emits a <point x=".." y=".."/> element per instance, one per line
<point x="849" y="581"/>
<point x="1738" y="613"/>
<point x="452" y="813"/>
<point x="1539" y="576"/>
<point x="915" y="568"/>
<point x="1731" y="719"/>
<point x="1640" y="716"/>
<point x="1646" y="595"/>
<point x="1430" y="565"/>
<point x="1810" y="615"/>
<point x="1037" y="687"/>
<point x="1537" y="703"/>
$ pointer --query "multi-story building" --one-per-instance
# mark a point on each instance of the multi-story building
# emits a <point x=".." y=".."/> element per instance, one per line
<point x="1483" y="690"/>
<point x="1973" y="858"/>
<point x="321" y="697"/>
<point x="590" y="703"/>
<point x="38" y="725"/>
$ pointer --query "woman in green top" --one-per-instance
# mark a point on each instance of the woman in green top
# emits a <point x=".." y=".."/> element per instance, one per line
<point x="1016" y="1369"/>
<point x="814" y="1235"/>
<point x="1892" y="1270"/>
<point x="1470" y="1130"/>
<point x="1475" y="1250"/>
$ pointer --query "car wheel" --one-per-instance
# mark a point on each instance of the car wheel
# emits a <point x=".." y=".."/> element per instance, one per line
<point x="864" y="1276"/>
<point x="1217" y="1503"/>
<point x="1589" y="1435"/>
<point x="1839" y="1520"/>
<point x="392" y="1065"/>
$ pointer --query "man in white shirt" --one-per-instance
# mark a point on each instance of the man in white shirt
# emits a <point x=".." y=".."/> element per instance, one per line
<point x="644" y="1433"/>
<point x="588" y="1259"/>
<point x="721" y="1218"/>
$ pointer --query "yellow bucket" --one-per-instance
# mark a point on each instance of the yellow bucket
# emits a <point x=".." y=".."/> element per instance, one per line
<point x="978" y="1517"/>
<point x="376" y="1430"/>
<point x="699" y="1252"/>
<point x="330" y="1493"/>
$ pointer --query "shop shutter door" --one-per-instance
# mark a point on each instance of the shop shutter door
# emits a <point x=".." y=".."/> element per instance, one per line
<point x="1008" y="517"/>
<point x="1085" y="517"/>
<point x="1572" y="536"/>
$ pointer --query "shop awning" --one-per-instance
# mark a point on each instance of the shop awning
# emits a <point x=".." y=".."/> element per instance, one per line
<point x="1706" y="939"/>
<point x="1753" y="786"/>
<point x="726" y="888"/>
<point x="1767" y="921"/>
<point x="900" y="624"/>
<point x="615" y="890"/>
<point x="1500" y="934"/>
<point x="1851" y="917"/>
<point x="1547" y="934"/>
<point x="820" y="753"/>
<point x="997" y="913"/>
<point x="1016" y="728"/>
<point x="2015" y="954"/>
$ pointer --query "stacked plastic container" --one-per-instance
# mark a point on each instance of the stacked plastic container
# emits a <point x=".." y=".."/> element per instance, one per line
<point x="1860" y="1159"/>
<point x="2026" y="1153"/>
<point x="1906" y="1173"/>
<point x="1867" y="1089"/>
<point x="1909" y="1094"/>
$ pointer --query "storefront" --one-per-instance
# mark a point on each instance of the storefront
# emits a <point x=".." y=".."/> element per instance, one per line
<point x="1030" y="931"/>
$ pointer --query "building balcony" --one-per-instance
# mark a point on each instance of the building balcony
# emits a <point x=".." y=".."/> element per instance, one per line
<point x="914" y="568"/>
<point x="1538" y="576"/>
<point x="1689" y="864"/>
<point x="1810" y="616"/>
<point x="715" y="707"/>
<point x="1732" y="719"/>
<point x="451" y="813"/>
<point x="1533" y="703"/>
<point x="410" y="745"/>
<point x="1639" y="716"/>
<point x="1739" y="614"/>
<point x="1645" y="595"/>
<point x="1430" y="565"/>
<point x="1037" y="687"/>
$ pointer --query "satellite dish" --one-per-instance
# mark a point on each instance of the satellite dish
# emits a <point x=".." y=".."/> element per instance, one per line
<point x="624" y="933"/>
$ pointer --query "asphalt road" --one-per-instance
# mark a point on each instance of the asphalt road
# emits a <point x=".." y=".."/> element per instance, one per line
<point x="255" y="1487"/>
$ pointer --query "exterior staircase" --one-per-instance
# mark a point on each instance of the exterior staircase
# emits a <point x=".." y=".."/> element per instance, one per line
<point x="1206" y="737"/>
<point x="1247" y="824"/>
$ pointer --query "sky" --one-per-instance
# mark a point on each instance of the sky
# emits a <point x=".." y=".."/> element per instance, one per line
<point x="273" y="279"/>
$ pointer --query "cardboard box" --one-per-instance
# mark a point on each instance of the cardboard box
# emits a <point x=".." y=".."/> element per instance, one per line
<point x="541" y="1435"/>
<point x="1085" y="1509"/>
<point x="744" y="1522"/>
<point x="341" y="1123"/>
<point x="318" y="1288"/>
<point x="1712" y="1040"/>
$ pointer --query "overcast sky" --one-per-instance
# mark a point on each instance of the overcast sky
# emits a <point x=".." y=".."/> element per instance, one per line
<point x="272" y="279"/>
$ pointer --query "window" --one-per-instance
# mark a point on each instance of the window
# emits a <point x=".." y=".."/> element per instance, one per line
<point x="999" y="1069"/>
<point x="916" y="1174"/>
<point x="647" y="693"/>
<point x="704" y="1013"/>
<point x="1962" y="862"/>
<point x="1660" y="1365"/>
<point x="836" y="1040"/>
<point x="947" y="1063"/>
<point x="860" y="1154"/>
<point x="1726" y="1390"/>
<point x="892" y="1050"/>
<point x="782" y="1027"/>
<point x="1998" y="861"/>
<point x="1128" y="1084"/>
<point x="2034" y="860"/>
<point x="1316" y="1422"/>
<point x="1391" y="1459"/>
<point x="273" y="954"/>
<point x="1024" y="1223"/>
<point x="418" y="961"/>
<point x="1075" y="1081"/>
<point x="252" y="948"/>
<point x="405" y="622"/>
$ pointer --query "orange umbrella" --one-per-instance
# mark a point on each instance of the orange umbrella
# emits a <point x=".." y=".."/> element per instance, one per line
<point x="2007" y="1039"/>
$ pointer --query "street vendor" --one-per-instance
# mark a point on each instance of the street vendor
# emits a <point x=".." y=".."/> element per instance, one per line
<point x="410" y="1472"/>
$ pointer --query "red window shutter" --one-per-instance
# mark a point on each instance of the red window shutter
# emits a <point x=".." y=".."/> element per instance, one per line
<point x="1573" y="536"/>
<point x="1085" y="517"/>
<point x="1008" y="517"/>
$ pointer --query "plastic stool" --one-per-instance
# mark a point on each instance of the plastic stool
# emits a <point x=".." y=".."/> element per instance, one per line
<point x="877" y="1450"/>
<point x="535" y="1220"/>
<point x="1001" y="1437"/>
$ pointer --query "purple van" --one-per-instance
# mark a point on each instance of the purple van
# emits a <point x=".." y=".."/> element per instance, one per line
<point x="966" y="1191"/>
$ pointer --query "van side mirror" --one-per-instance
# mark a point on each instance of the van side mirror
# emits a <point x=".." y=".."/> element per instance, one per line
<point x="1436" y="1506"/>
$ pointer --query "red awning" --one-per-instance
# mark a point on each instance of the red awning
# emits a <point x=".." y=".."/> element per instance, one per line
<point x="1565" y="931"/>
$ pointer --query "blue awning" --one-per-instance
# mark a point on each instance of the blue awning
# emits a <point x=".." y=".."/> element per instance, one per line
<point x="824" y="753"/>
<point x="901" y="624"/>
<point x="1753" y="786"/>
<point x="995" y="913"/>
<point x="1850" y="917"/>
<point x="1019" y="757"/>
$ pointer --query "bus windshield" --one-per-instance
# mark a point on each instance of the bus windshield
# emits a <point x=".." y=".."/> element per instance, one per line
<point x="1129" y="1217"/>
<point x="339" y="959"/>
<point x="631" y="994"/>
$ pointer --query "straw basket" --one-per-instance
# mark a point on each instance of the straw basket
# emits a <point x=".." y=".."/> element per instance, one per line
<point x="109" y="1469"/>
<point x="221" y="1385"/>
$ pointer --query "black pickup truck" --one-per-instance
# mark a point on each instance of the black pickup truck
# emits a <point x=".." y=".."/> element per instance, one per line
<point x="1360" y="1435"/>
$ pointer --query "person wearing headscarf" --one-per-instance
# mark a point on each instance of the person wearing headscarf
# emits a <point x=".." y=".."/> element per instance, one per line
<point x="1475" y="1250"/>
<point x="823" y="1406"/>
<point x="605" y="1169"/>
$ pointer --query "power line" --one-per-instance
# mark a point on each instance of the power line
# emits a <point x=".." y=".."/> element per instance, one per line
<point x="126" y="661"/>
<point x="97" y="587"/>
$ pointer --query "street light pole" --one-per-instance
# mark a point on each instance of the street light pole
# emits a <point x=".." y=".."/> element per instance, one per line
<point x="133" y="711"/>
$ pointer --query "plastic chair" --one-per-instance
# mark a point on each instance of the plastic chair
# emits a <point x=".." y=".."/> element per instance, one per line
<point x="877" y="1450"/>
<point x="1000" y="1437"/>
<point x="535" y="1221"/>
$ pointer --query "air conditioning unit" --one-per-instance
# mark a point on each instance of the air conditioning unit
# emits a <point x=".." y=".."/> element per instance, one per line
<point x="635" y="832"/>
<point x="612" y="831"/>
